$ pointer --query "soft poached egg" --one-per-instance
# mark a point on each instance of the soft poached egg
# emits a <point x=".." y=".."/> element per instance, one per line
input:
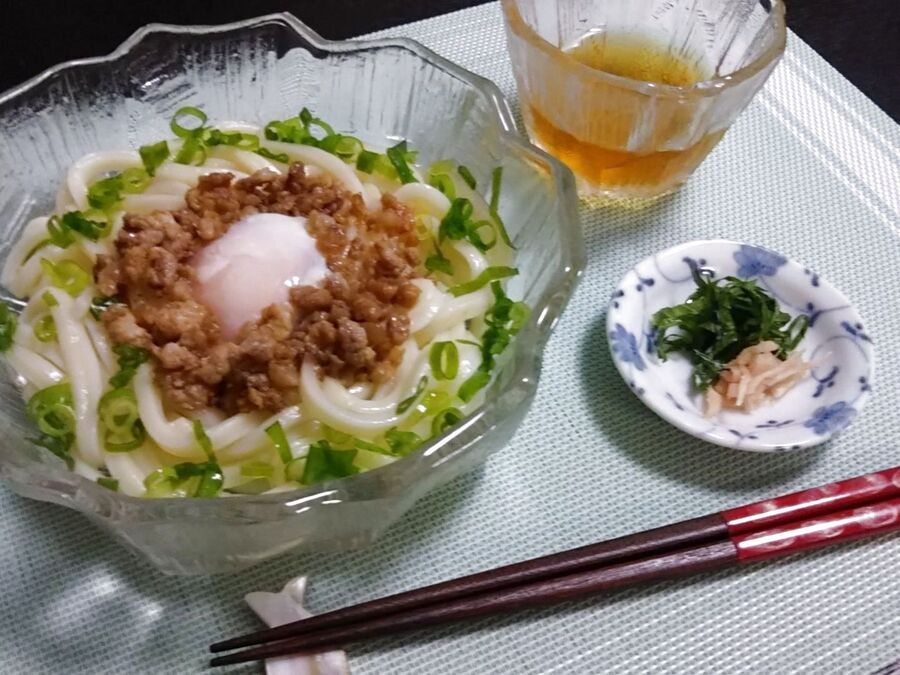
<point x="254" y="265"/>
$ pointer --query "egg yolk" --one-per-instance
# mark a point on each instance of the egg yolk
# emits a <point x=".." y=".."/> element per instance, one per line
<point x="254" y="265"/>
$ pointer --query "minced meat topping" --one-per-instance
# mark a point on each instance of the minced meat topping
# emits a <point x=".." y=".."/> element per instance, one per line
<point x="352" y="326"/>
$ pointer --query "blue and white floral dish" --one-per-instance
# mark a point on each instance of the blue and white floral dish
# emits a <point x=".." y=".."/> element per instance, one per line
<point x="836" y="344"/>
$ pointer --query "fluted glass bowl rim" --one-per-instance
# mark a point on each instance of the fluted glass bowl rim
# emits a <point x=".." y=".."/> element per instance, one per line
<point x="114" y="507"/>
<point x="712" y="86"/>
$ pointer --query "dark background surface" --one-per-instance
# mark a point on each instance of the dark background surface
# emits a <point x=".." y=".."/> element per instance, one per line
<point x="861" y="38"/>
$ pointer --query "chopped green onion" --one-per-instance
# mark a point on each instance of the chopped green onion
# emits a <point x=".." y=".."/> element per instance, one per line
<point x="332" y="435"/>
<point x="130" y="358"/>
<point x="192" y="151"/>
<point x="52" y="410"/>
<point x="276" y="434"/>
<point x="134" y="180"/>
<point x="401" y="443"/>
<point x="58" y="446"/>
<point x="444" y="360"/>
<point x="467" y="176"/>
<point x="37" y="247"/>
<point x="100" y="304"/>
<point x="444" y="420"/>
<point x="62" y="229"/>
<point x="153" y="156"/>
<point x="367" y="160"/>
<point x="496" y="179"/>
<point x="8" y="323"/>
<point x="360" y="444"/>
<point x="118" y="411"/>
<point x="185" y="480"/>
<point x="66" y="275"/>
<point x="237" y="139"/>
<point x="105" y="193"/>
<point x="274" y="156"/>
<point x="202" y="438"/>
<point x="49" y="299"/>
<point x="398" y="157"/>
<point x="306" y="117"/>
<point x="183" y="115"/>
<point x="488" y="275"/>
<point x="108" y="483"/>
<point x="257" y="470"/>
<point x="438" y="262"/>
<point x="325" y="463"/>
<point x="347" y="148"/>
<point x="476" y="382"/>
<point x="293" y="470"/>
<point x="45" y="329"/>
<point x="473" y="234"/>
<point x="453" y="224"/>
<point x="444" y="183"/>
<point x="407" y="403"/>
<point x="59" y="236"/>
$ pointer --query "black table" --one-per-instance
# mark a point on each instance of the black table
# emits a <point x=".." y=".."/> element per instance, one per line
<point x="861" y="38"/>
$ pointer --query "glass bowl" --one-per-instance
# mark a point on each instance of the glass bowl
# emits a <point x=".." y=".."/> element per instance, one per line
<point x="262" y="69"/>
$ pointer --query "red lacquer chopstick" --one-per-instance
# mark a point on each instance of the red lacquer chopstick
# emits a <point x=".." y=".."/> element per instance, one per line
<point x="815" y="532"/>
<point x="731" y="525"/>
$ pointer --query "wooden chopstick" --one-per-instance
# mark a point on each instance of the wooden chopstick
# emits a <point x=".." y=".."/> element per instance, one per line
<point x="678" y="535"/>
<point x="534" y="582"/>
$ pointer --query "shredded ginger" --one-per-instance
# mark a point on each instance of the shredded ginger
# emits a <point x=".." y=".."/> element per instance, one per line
<point x="755" y="378"/>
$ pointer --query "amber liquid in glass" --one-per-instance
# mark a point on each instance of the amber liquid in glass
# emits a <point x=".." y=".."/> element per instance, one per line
<point x="602" y="161"/>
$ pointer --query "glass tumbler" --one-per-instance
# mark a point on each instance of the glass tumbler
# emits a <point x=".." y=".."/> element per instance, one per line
<point x="622" y="134"/>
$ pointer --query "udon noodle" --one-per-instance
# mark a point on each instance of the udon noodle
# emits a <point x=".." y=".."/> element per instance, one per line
<point x="99" y="404"/>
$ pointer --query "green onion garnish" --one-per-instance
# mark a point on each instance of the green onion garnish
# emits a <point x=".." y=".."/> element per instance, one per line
<point x="325" y="463"/>
<point x="473" y="234"/>
<point x="443" y="183"/>
<point x="130" y="358"/>
<point x="444" y="360"/>
<point x="293" y="470"/>
<point x="336" y="437"/>
<point x="108" y="483"/>
<point x="118" y="411"/>
<point x="496" y="179"/>
<point x="467" y="176"/>
<point x="153" y="155"/>
<point x="102" y="303"/>
<point x="49" y="299"/>
<point x="487" y="276"/>
<point x="366" y="161"/>
<point x="186" y="114"/>
<point x="274" y="156"/>
<point x="276" y="434"/>
<point x="453" y="224"/>
<point x="185" y="480"/>
<point x="66" y="275"/>
<point x="444" y="420"/>
<point x="360" y="444"/>
<point x="438" y="262"/>
<point x="202" y="438"/>
<point x="45" y="329"/>
<point x="401" y="443"/>
<point x="52" y="410"/>
<point x="62" y="229"/>
<point x="475" y="383"/>
<point x="398" y="156"/>
<point x="721" y="319"/>
<point x="8" y="323"/>
<point x="504" y="319"/>
<point x="407" y="403"/>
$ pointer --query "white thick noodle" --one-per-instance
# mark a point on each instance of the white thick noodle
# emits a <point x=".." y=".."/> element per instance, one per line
<point x="84" y="374"/>
<point x="83" y="355"/>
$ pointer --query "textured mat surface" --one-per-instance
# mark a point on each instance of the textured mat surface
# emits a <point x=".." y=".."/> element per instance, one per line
<point x="812" y="169"/>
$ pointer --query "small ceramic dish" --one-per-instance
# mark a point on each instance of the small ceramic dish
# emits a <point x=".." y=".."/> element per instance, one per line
<point x="836" y="343"/>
